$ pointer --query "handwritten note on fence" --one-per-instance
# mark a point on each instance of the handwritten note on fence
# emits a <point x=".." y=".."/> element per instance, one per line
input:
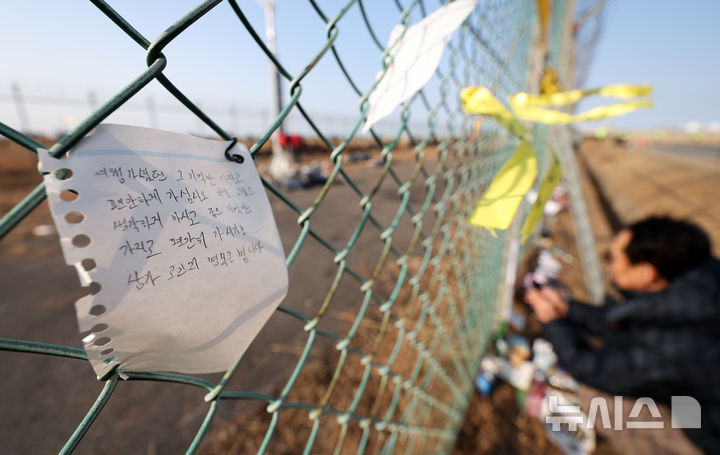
<point x="180" y="242"/>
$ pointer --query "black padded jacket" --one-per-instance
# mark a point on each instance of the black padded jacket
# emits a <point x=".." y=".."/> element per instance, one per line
<point x="656" y="345"/>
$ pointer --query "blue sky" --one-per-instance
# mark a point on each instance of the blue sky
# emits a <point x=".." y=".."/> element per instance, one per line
<point x="72" y="49"/>
<point x="64" y="51"/>
<point x="671" y="44"/>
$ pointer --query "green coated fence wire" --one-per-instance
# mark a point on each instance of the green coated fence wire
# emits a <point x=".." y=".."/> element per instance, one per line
<point x="431" y="301"/>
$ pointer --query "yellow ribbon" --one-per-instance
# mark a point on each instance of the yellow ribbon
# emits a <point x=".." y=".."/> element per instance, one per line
<point x="532" y="107"/>
<point x="479" y="100"/>
<point x="500" y="202"/>
<point x="622" y="91"/>
<point x="498" y="205"/>
<point x="552" y="117"/>
<point x="552" y="178"/>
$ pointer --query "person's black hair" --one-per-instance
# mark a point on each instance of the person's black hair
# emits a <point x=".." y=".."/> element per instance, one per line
<point x="672" y="246"/>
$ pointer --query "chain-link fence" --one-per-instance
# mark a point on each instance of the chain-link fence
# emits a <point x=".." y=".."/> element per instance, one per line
<point x="393" y="295"/>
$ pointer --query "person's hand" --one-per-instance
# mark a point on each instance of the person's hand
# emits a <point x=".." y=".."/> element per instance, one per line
<point x="548" y="303"/>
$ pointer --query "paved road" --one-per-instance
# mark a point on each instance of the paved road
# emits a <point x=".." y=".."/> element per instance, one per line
<point x="680" y="181"/>
<point x="708" y="151"/>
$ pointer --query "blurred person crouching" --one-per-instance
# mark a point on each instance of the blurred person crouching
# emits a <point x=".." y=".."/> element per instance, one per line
<point x="663" y="339"/>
